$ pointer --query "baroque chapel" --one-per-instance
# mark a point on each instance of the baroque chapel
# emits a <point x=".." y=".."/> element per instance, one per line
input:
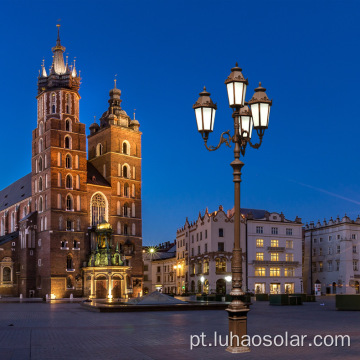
<point x="73" y="225"/>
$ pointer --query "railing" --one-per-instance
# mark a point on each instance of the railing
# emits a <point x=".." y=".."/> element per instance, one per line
<point x="269" y="262"/>
<point x="276" y="248"/>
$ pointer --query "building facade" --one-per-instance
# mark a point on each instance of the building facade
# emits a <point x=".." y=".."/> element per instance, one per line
<point x="331" y="259"/>
<point x="160" y="268"/>
<point x="272" y="253"/>
<point x="50" y="216"/>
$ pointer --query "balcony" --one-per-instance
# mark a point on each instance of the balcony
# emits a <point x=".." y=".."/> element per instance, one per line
<point x="220" y="272"/>
<point x="269" y="262"/>
<point x="276" y="248"/>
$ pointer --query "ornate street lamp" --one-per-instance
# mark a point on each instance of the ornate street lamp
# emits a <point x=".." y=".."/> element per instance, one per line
<point x="245" y="119"/>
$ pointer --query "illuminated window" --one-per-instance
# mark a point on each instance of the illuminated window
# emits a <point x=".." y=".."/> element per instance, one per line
<point x="259" y="256"/>
<point x="274" y="256"/>
<point x="98" y="207"/>
<point x="260" y="271"/>
<point x="289" y="244"/>
<point x="274" y="243"/>
<point x="274" y="271"/>
<point x="220" y="265"/>
<point x="259" y="243"/>
<point x="320" y="266"/>
<point x="289" y="272"/>
<point x="206" y="266"/>
<point x="289" y="257"/>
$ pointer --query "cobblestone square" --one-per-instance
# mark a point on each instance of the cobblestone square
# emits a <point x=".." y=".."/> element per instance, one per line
<point x="67" y="331"/>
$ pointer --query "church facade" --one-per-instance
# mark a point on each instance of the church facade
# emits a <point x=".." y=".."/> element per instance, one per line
<point x="50" y="218"/>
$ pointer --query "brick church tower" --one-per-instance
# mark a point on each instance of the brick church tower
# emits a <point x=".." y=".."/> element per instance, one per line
<point x="59" y="169"/>
<point x="51" y="218"/>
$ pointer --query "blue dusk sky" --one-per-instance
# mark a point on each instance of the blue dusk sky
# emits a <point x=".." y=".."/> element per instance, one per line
<point x="306" y="53"/>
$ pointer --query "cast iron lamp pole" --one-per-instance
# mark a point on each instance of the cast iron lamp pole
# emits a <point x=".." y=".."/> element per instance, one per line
<point x="244" y="120"/>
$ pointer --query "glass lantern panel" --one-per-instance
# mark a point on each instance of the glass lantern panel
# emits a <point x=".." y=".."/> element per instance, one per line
<point x="198" y="116"/>
<point x="264" y="113"/>
<point x="230" y="91"/>
<point x="246" y="125"/>
<point x="240" y="89"/>
<point x="255" y="114"/>
<point x="213" y="119"/>
<point x="207" y="113"/>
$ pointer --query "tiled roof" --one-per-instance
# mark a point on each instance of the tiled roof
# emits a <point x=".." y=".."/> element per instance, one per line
<point x="94" y="177"/>
<point x="16" y="192"/>
<point x="257" y="214"/>
<point x="6" y="238"/>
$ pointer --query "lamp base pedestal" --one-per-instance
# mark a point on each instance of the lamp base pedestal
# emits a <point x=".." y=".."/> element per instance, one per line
<point x="238" y="349"/>
<point x="237" y="328"/>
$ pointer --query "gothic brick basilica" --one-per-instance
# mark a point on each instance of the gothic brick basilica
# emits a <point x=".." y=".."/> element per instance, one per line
<point x="73" y="225"/>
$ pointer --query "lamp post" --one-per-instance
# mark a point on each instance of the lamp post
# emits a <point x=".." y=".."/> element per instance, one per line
<point x="245" y="119"/>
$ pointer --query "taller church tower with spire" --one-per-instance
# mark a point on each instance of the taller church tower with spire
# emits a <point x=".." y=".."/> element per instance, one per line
<point x="54" y="230"/>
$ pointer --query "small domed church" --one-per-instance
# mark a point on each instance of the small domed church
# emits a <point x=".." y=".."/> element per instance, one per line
<point x="73" y="225"/>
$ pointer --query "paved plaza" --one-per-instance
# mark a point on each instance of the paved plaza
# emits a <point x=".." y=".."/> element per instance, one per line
<point x="68" y="331"/>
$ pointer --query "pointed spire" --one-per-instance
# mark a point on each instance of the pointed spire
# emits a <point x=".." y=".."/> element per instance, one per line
<point x="134" y="114"/>
<point x="115" y="81"/>
<point x="73" y="73"/>
<point x="43" y="70"/>
<point x="58" y="61"/>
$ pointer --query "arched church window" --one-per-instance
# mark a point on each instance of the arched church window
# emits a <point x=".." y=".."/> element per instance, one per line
<point x="68" y="181"/>
<point x="69" y="203"/>
<point x="67" y="142"/>
<point x="40" y="184"/>
<point x="53" y="106"/>
<point x="126" y="210"/>
<point x="40" y="165"/>
<point x="98" y="209"/>
<point x="41" y="128"/>
<point x="99" y="149"/>
<point x="40" y="203"/>
<point x="68" y="103"/>
<point x="67" y="125"/>
<point x="69" y="262"/>
<point x="125" y="230"/>
<point x="126" y="190"/>
<point x="41" y="142"/>
<point x="125" y="171"/>
<point x="68" y="161"/>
